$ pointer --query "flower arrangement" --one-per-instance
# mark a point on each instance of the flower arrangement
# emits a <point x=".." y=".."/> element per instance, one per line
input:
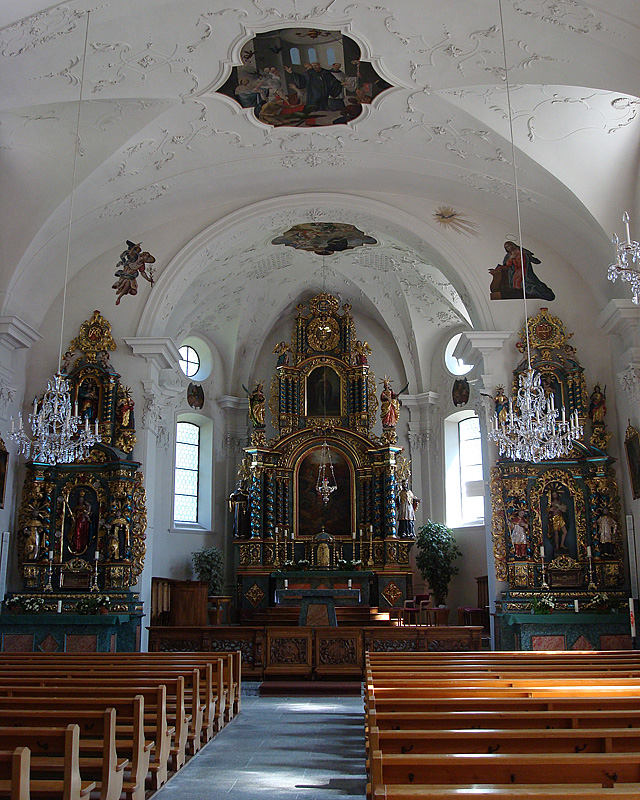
<point x="92" y="605"/>
<point x="349" y="566"/>
<point x="303" y="564"/>
<point x="288" y="565"/>
<point x="543" y="604"/>
<point x="25" y="605"/>
<point x="600" y="602"/>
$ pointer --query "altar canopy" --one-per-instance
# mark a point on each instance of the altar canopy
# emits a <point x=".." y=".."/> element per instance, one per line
<point x="323" y="406"/>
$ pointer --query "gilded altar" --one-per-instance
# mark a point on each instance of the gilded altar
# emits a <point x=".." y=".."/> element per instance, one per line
<point x="82" y="526"/>
<point x="323" y="406"/>
<point x="556" y="525"/>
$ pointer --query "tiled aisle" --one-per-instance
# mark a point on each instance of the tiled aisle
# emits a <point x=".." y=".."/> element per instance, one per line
<point x="278" y="747"/>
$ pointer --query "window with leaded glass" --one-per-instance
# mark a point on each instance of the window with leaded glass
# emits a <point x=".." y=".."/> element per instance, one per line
<point x="185" y="497"/>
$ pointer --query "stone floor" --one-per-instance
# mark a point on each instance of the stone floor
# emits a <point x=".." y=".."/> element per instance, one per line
<point x="300" y="748"/>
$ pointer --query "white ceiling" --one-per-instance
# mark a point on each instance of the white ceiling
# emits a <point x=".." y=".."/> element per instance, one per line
<point x="158" y="149"/>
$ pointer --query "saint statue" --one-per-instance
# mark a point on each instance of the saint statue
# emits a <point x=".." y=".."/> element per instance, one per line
<point x="502" y="405"/>
<point x="407" y="506"/>
<point x="389" y="405"/>
<point x="520" y="533"/>
<point x="557" y="514"/>
<point x="256" y="404"/>
<point x="607" y="527"/>
<point x="132" y="263"/>
<point x="598" y="405"/>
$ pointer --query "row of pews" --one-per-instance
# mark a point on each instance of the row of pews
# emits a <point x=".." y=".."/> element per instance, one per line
<point x="108" y="724"/>
<point x="503" y="725"/>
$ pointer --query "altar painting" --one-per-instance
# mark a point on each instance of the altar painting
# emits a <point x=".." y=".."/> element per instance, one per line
<point x="312" y="513"/>
<point x="323" y="393"/>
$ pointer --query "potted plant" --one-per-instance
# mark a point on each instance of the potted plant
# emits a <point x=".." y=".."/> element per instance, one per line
<point x="96" y="604"/>
<point x="437" y="550"/>
<point x="24" y="605"/>
<point x="208" y="564"/>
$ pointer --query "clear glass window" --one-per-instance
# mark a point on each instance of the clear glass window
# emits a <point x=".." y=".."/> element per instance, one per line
<point x="313" y="56"/>
<point x="294" y="55"/>
<point x="187" y="472"/>
<point x="470" y="450"/>
<point x="189" y="361"/>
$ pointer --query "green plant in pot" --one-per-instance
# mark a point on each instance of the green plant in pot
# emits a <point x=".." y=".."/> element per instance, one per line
<point x="208" y="564"/>
<point x="436" y="552"/>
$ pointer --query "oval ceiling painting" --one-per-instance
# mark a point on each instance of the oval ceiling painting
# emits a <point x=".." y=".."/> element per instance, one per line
<point x="303" y="78"/>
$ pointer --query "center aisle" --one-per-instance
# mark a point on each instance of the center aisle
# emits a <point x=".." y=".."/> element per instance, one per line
<point x="278" y="747"/>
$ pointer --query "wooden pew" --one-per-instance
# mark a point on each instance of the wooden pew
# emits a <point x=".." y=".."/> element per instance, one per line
<point x="174" y="698"/>
<point x="581" y="791"/>
<point x="61" y="749"/>
<point x="156" y="727"/>
<point x="101" y="741"/>
<point x="520" y="740"/>
<point x="14" y="773"/>
<point x="603" y="769"/>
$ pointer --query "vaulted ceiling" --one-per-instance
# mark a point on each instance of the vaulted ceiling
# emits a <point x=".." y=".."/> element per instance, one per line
<point x="159" y="149"/>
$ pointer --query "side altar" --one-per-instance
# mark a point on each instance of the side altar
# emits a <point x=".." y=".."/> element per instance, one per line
<point x="556" y="525"/>
<point x="321" y="496"/>
<point x="82" y="525"/>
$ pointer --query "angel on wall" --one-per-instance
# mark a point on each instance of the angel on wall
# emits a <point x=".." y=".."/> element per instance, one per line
<point x="132" y="263"/>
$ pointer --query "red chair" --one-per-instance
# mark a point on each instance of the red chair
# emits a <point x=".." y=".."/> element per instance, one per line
<point x="412" y="609"/>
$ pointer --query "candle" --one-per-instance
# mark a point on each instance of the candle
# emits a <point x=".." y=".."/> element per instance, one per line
<point x="370" y="528"/>
<point x="353" y="536"/>
<point x="576" y="607"/>
<point x="277" y="530"/>
<point x="59" y="606"/>
<point x="588" y="551"/>
<point x="632" y="617"/>
<point x="286" y="583"/>
<point x="625" y="219"/>
<point x="542" y="551"/>
<point x="35" y="406"/>
<point x="75" y="409"/>
<point x="349" y="583"/>
<point x="13" y="425"/>
<point x="97" y="555"/>
<point x="96" y="427"/>
<point x="50" y="555"/>
<point x="86" y="424"/>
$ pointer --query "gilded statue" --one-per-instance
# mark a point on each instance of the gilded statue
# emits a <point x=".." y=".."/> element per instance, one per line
<point x="598" y="405"/>
<point x="256" y="404"/>
<point x="389" y="404"/>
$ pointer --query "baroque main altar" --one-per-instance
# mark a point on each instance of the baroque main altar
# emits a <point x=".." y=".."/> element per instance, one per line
<point x="323" y="406"/>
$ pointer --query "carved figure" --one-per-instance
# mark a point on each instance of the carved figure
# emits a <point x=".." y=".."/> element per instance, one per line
<point x="282" y="350"/>
<point x="88" y="401"/>
<point x="118" y="530"/>
<point x="323" y="555"/>
<point x="256" y="404"/>
<point x="67" y="358"/>
<point x="607" y="527"/>
<point x="125" y="408"/>
<point x="389" y="405"/>
<point x="557" y="512"/>
<point x="32" y="531"/>
<point x="361" y="352"/>
<point x="80" y="532"/>
<point x="598" y="405"/>
<point x="520" y="533"/>
<point x="502" y="405"/>
<point x="113" y="547"/>
<point x="132" y="263"/>
<point x="407" y="504"/>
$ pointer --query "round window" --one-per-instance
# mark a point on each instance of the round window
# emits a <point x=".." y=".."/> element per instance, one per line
<point x="456" y="366"/>
<point x="189" y="361"/>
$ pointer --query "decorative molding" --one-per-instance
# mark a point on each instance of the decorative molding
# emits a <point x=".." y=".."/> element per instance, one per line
<point x="7" y="396"/>
<point x="129" y="202"/>
<point x="38" y="29"/>
<point x="159" y="409"/>
<point x="570" y="15"/>
<point x="419" y="442"/>
<point x="630" y="382"/>
<point x="160" y="351"/>
<point x="234" y="445"/>
<point x="496" y="186"/>
<point x="16" y="333"/>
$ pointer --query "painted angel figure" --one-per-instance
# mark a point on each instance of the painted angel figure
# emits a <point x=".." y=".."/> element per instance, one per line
<point x="360" y="354"/>
<point x="132" y="263"/>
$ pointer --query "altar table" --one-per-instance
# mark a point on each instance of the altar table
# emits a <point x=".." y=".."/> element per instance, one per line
<point x="317" y="606"/>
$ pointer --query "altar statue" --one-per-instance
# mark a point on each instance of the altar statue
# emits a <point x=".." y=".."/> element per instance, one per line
<point x="407" y="504"/>
<point x="389" y="405"/>
<point x="81" y="525"/>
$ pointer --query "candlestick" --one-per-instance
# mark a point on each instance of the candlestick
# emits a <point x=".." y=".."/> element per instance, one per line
<point x="94" y="585"/>
<point x="349" y="583"/>
<point x="59" y="606"/>
<point x="286" y="583"/>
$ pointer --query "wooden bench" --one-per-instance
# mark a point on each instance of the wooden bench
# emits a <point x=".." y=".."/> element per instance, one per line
<point x="156" y="727"/>
<point x="61" y="749"/>
<point x="100" y="738"/>
<point x="14" y="773"/>
<point x="582" y="791"/>
<point x="600" y="769"/>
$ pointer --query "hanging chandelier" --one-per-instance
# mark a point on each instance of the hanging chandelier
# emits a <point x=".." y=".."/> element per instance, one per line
<point x="326" y="483"/>
<point x="59" y="437"/>
<point x="627" y="263"/>
<point x="535" y="430"/>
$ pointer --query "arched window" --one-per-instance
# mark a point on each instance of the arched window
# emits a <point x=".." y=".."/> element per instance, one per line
<point x="294" y="55"/>
<point x="464" y="483"/>
<point x="187" y="473"/>
<point x="313" y="56"/>
<point x="331" y="56"/>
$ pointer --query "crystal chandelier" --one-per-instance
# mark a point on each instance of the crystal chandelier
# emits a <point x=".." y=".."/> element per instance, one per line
<point x="533" y="431"/>
<point x="59" y="436"/>
<point x="326" y="483"/>
<point x="627" y="263"/>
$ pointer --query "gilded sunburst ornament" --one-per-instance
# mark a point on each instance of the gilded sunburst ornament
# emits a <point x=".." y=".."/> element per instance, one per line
<point x="450" y="218"/>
